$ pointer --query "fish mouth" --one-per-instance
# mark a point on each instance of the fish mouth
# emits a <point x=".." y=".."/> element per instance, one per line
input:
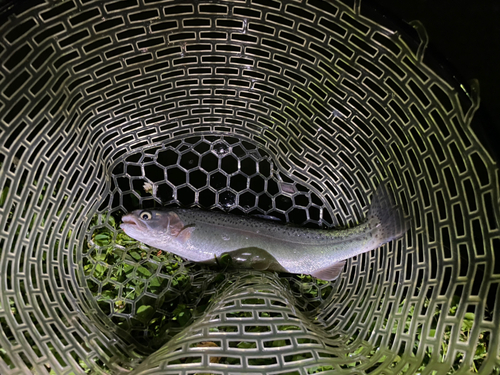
<point x="130" y="221"/>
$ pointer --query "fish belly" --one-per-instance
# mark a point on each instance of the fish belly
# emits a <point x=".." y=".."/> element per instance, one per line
<point x="212" y="241"/>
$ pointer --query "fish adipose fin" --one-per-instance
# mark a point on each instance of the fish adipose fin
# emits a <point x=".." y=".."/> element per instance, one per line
<point x="387" y="219"/>
<point x="331" y="272"/>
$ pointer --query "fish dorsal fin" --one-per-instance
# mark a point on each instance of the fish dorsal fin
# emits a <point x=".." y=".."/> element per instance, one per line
<point x="331" y="272"/>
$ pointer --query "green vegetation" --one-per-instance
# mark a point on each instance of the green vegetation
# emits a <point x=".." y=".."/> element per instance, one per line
<point x="465" y="330"/>
<point x="3" y="195"/>
<point x="146" y="292"/>
<point x="446" y="341"/>
<point x="156" y="289"/>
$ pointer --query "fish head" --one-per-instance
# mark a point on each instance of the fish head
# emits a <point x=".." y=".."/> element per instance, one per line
<point x="154" y="227"/>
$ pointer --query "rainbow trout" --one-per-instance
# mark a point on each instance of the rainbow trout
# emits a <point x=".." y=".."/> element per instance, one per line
<point x="205" y="236"/>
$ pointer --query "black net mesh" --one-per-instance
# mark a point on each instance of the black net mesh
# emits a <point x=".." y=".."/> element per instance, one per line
<point x="294" y="110"/>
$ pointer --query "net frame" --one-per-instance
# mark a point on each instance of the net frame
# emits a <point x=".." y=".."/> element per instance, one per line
<point x="337" y="100"/>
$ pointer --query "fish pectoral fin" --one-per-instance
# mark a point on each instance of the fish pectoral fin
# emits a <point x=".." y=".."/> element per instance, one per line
<point x="175" y="224"/>
<point x="177" y="228"/>
<point x="185" y="234"/>
<point x="331" y="272"/>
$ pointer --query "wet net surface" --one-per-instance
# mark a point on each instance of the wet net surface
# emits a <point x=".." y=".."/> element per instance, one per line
<point x="295" y="110"/>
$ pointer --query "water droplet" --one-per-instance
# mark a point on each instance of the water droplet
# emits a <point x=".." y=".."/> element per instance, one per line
<point x="227" y="199"/>
<point x="220" y="148"/>
<point x="227" y="205"/>
<point x="225" y="237"/>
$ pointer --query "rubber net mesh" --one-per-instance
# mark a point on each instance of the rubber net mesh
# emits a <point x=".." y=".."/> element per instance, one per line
<point x="296" y="110"/>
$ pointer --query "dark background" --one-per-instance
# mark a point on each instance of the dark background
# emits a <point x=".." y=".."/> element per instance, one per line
<point x="466" y="35"/>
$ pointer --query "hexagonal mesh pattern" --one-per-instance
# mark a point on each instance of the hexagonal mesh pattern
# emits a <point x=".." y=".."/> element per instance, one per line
<point x="212" y="172"/>
<point x="294" y="110"/>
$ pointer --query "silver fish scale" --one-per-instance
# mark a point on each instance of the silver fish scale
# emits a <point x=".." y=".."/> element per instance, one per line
<point x="291" y="109"/>
<point x="298" y="250"/>
<point x="268" y="228"/>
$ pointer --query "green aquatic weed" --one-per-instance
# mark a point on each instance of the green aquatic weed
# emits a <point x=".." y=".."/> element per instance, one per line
<point x="318" y="369"/>
<point x="3" y="195"/>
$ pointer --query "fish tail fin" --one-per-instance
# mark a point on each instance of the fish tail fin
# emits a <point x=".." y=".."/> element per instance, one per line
<point x="388" y="218"/>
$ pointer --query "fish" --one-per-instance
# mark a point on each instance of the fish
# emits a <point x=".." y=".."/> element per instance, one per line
<point x="207" y="236"/>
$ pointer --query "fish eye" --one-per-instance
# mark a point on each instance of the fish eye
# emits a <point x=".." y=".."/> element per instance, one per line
<point x="146" y="215"/>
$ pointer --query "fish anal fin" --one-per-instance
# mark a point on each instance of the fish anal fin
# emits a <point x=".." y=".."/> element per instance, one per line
<point x="331" y="272"/>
